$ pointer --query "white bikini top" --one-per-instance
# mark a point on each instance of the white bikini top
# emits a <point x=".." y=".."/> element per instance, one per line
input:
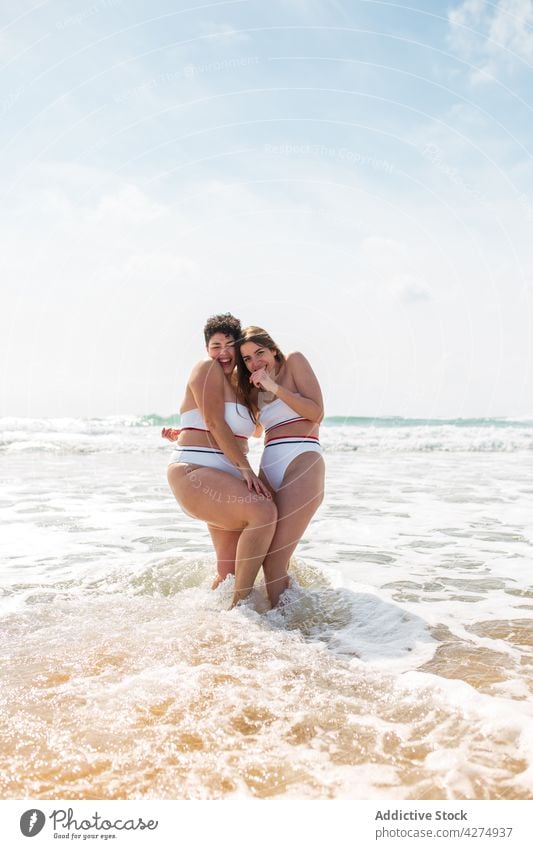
<point x="277" y="413"/>
<point x="237" y="416"/>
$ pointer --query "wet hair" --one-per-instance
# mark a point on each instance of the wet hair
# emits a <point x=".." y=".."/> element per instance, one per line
<point x="262" y="338"/>
<point x="225" y="323"/>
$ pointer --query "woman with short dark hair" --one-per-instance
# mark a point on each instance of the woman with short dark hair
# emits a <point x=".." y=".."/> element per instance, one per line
<point x="209" y="473"/>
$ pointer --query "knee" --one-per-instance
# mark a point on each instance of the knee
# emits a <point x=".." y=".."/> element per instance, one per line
<point x="265" y="513"/>
<point x="270" y="513"/>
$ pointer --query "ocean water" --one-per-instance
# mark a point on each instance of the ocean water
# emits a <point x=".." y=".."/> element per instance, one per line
<point x="401" y="666"/>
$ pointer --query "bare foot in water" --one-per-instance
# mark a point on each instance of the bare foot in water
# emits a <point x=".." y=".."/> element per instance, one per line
<point x="216" y="583"/>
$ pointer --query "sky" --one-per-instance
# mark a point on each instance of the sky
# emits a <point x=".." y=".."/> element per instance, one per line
<point x="355" y="176"/>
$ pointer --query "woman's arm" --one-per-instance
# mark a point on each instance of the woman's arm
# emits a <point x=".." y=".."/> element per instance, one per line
<point x="307" y="402"/>
<point x="207" y="386"/>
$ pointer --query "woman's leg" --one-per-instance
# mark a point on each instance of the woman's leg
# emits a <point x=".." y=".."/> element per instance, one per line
<point x="297" y="500"/>
<point x="224" y="501"/>
<point x="225" y="544"/>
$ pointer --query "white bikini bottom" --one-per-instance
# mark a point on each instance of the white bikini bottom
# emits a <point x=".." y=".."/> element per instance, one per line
<point x="280" y="452"/>
<point x="209" y="457"/>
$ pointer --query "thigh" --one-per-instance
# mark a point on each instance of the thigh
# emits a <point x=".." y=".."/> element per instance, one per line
<point x="299" y="497"/>
<point x="216" y="497"/>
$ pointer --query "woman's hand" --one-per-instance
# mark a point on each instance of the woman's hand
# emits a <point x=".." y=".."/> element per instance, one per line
<point x="262" y="380"/>
<point x="170" y="433"/>
<point x="254" y="484"/>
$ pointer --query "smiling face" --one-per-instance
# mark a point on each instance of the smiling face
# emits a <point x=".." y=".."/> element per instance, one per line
<point x="256" y="357"/>
<point x="221" y="347"/>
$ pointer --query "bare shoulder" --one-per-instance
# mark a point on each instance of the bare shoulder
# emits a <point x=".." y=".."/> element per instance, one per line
<point x="204" y="370"/>
<point x="301" y="373"/>
<point x="296" y="360"/>
<point x="204" y="367"/>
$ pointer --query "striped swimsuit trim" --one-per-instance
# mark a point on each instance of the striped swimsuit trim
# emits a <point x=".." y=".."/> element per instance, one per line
<point x="292" y="440"/>
<point x="287" y="421"/>
<point x="197" y="450"/>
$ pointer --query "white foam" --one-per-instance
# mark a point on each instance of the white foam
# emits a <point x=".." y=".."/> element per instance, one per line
<point x="108" y="613"/>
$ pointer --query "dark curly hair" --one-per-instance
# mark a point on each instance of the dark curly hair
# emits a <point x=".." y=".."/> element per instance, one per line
<point x="224" y="323"/>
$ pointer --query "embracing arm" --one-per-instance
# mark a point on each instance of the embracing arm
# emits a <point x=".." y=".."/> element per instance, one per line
<point x="308" y="402"/>
<point x="207" y="385"/>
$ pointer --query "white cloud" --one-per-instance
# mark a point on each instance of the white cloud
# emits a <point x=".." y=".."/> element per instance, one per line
<point x="411" y="289"/>
<point x="512" y="26"/>
<point x="495" y="37"/>
<point x="391" y="267"/>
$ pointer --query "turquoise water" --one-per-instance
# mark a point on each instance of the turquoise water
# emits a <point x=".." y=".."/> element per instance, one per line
<point x="374" y="421"/>
<point x="340" y="434"/>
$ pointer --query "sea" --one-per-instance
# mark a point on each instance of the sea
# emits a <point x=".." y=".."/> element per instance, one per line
<point x="399" y="667"/>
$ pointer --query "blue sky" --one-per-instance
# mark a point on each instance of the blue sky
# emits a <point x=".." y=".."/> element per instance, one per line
<point x="354" y="176"/>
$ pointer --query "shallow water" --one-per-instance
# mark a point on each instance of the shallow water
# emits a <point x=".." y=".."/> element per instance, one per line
<point x="400" y="665"/>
